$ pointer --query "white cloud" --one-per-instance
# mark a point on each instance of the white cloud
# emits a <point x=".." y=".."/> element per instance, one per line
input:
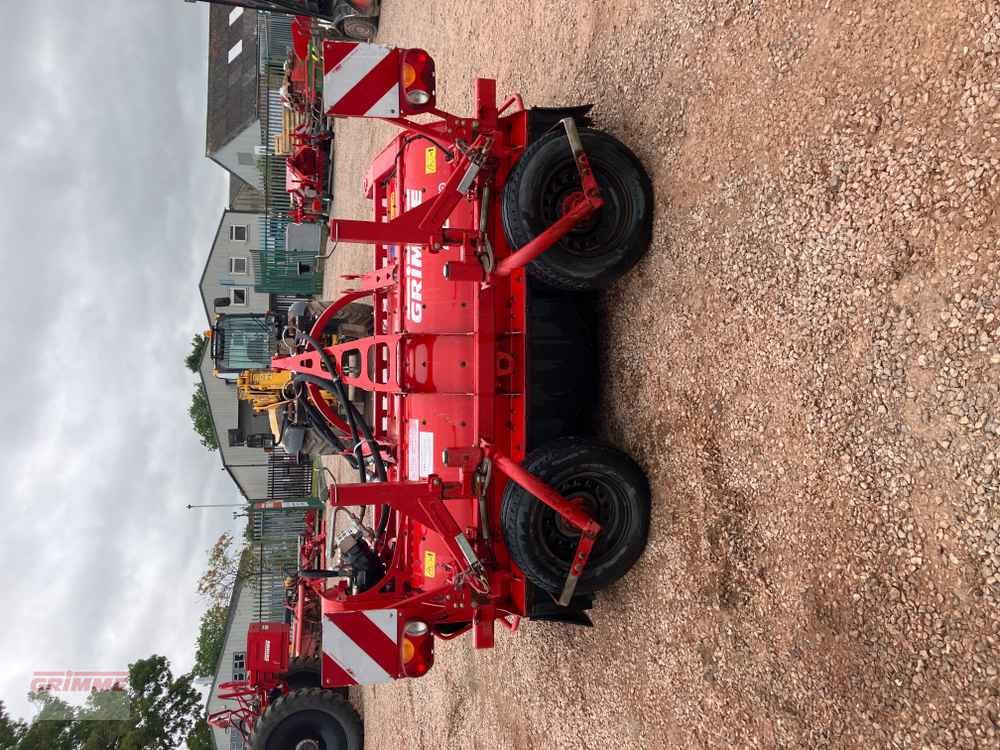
<point x="110" y="212"/>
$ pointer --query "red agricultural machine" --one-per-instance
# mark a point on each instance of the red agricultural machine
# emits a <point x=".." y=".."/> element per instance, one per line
<point x="489" y="503"/>
<point x="353" y="19"/>
<point x="307" y="136"/>
<point x="283" y="658"/>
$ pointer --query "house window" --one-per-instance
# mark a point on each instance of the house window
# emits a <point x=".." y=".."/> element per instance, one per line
<point x="238" y="266"/>
<point x="238" y="295"/>
<point x="234" y="15"/>
<point x="235" y="50"/>
<point x="239" y="232"/>
<point x="239" y="665"/>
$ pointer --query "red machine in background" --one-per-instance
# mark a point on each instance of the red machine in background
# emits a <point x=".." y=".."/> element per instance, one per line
<point x="283" y="657"/>
<point x="306" y="133"/>
<point x="306" y="137"/>
<point x="490" y="503"/>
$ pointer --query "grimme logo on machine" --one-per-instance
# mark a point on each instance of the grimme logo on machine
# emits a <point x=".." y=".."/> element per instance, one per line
<point x="414" y="268"/>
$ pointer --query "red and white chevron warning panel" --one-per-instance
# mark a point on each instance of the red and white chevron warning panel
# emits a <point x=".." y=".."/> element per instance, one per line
<point x="361" y="648"/>
<point x="360" y="80"/>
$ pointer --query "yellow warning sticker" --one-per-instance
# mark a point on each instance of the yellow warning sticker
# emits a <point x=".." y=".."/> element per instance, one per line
<point x="430" y="564"/>
<point x="431" y="160"/>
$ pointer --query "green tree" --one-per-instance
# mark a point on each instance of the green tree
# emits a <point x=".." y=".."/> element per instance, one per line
<point x="163" y="707"/>
<point x="155" y="711"/>
<point x="11" y="730"/>
<point x="53" y="726"/>
<point x="226" y="568"/>
<point x="211" y="638"/>
<point x="201" y="417"/>
<point x="200" y="737"/>
<point x="198" y="344"/>
<point x="104" y="720"/>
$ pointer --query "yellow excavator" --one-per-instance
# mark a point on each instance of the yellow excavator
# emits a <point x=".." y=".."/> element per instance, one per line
<point x="242" y="346"/>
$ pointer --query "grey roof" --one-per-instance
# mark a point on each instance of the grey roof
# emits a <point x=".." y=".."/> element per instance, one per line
<point x="232" y="86"/>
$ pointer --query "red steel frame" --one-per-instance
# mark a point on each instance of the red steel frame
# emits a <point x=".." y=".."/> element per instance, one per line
<point x="312" y="556"/>
<point x="252" y="694"/>
<point x="266" y="660"/>
<point x="482" y="583"/>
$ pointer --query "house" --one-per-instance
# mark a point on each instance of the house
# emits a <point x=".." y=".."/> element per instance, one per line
<point x="229" y="281"/>
<point x="244" y="197"/>
<point x="246" y="54"/>
<point x="245" y="322"/>
<point x="232" y="661"/>
<point x="229" y="271"/>
<point x="233" y="136"/>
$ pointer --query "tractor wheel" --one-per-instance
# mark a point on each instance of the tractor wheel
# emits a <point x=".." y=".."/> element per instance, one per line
<point x="604" y="246"/>
<point x="309" y="719"/>
<point x="358" y="27"/>
<point x="612" y="487"/>
<point x="303" y="672"/>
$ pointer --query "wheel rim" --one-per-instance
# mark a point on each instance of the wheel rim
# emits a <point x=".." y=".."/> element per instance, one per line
<point x="606" y="228"/>
<point x="608" y="505"/>
<point x="308" y="730"/>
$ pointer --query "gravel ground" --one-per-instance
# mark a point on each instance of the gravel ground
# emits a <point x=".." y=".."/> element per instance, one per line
<point x="807" y="364"/>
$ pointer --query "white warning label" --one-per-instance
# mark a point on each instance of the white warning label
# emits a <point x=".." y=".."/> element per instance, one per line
<point x="426" y="454"/>
<point x="413" y="451"/>
<point x="419" y="452"/>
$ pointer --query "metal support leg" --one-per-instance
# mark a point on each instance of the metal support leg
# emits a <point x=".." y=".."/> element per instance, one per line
<point x="574" y="513"/>
<point x="589" y="200"/>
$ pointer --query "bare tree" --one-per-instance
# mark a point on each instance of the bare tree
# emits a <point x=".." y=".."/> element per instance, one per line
<point x="227" y="566"/>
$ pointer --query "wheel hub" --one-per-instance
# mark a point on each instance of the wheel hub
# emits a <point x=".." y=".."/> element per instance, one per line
<point x="572" y="200"/>
<point x="358" y="28"/>
<point x="307" y="745"/>
<point x="560" y="195"/>
<point x="561" y="538"/>
<point x="563" y="526"/>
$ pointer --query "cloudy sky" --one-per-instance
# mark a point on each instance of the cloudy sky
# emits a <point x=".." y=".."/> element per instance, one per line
<point x="109" y="212"/>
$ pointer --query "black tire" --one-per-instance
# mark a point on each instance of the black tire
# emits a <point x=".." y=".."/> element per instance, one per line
<point x="359" y="27"/>
<point x="617" y="493"/>
<point x="303" y="672"/>
<point x="313" y="713"/>
<point x="604" y="247"/>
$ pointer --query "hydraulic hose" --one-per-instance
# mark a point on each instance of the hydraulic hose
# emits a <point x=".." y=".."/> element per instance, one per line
<point x="354" y="418"/>
<point x="341" y="394"/>
<point x="337" y="389"/>
<point x="318" y="423"/>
